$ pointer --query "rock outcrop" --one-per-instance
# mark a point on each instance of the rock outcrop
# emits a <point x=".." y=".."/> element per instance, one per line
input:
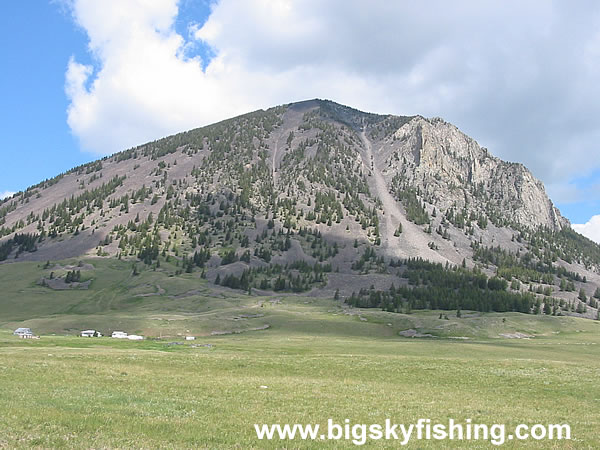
<point x="450" y="169"/>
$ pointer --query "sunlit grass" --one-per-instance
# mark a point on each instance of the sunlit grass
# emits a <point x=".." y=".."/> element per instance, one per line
<point x="316" y="359"/>
<point x="55" y="392"/>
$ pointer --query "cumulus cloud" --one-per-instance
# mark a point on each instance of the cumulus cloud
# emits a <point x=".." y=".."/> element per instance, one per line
<point x="143" y="87"/>
<point x="521" y="77"/>
<point x="590" y="229"/>
<point x="6" y="194"/>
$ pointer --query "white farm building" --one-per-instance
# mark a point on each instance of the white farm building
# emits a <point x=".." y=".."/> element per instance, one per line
<point x="91" y="333"/>
<point x="23" y="333"/>
<point x="135" y="337"/>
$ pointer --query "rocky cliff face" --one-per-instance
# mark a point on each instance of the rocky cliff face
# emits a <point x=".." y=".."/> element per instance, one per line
<point x="452" y="171"/>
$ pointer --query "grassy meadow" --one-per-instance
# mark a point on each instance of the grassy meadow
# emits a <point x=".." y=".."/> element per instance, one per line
<point x="316" y="360"/>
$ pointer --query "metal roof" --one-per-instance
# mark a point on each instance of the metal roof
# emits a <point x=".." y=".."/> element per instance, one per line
<point x="23" y="331"/>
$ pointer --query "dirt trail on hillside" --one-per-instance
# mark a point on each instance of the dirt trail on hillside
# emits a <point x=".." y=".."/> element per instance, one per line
<point x="412" y="241"/>
<point x="278" y="141"/>
<point x="275" y="151"/>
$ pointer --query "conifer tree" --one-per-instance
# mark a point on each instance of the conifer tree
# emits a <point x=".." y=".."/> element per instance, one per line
<point x="547" y="308"/>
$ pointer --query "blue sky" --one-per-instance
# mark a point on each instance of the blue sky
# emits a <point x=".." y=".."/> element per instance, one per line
<point x="38" y="38"/>
<point x="83" y="78"/>
<point x="35" y="47"/>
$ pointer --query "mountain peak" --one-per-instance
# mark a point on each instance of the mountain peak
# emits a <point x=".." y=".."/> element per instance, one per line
<point x="408" y="186"/>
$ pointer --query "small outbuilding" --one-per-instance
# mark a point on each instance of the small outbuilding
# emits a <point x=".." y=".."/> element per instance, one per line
<point x="91" y="333"/>
<point x="23" y="333"/>
<point x="135" y="337"/>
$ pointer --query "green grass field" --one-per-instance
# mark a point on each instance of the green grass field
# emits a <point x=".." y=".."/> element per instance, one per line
<point x="316" y="359"/>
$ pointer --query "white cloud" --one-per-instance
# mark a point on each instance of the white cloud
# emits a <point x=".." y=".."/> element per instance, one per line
<point x="6" y="194"/>
<point x="521" y="77"/>
<point x="591" y="229"/>
<point x="143" y="88"/>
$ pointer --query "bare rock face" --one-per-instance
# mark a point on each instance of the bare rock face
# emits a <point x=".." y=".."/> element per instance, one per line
<point x="451" y="170"/>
